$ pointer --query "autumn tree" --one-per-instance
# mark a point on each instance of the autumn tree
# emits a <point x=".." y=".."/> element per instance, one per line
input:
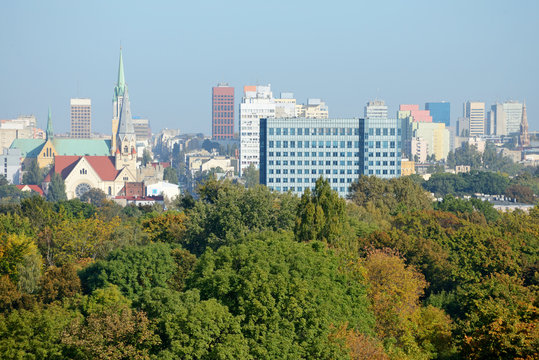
<point x="57" y="188"/>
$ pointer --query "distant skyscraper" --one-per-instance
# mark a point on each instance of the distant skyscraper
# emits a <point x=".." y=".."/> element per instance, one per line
<point x="222" y="112"/>
<point x="376" y="109"/>
<point x="474" y="111"/>
<point x="257" y="103"/>
<point x="440" y="112"/>
<point x="142" y="128"/>
<point x="81" y="118"/>
<point x="513" y="116"/>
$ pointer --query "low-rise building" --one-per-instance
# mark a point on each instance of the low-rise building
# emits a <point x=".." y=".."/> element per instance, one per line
<point x="163" y="189"/>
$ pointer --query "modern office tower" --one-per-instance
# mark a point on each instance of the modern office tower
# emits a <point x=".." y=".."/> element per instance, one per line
<point x="440" y="112"/>
<point x="475" y="112"/>
<point x="294" y="153"/>
<point x="143" y="131"/>
<point x="81" y="118"/>
<point x="376" y="109"/>
<point x="497" y="124"/>
<point x="383" y="147"/>
<point x="513" y="116"/>
<point x="222" y="112"/>
<point x="314" y="109"/>
<point x="285" y="107"/>
<point x="257" y="103"/>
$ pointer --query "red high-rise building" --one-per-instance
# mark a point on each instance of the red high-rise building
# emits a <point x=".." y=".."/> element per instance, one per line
<point x="222" y="112"/>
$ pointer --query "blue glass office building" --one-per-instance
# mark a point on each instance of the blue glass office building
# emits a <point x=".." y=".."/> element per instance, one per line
<point x="440" y="112"/>
<point x="295" y="152"/>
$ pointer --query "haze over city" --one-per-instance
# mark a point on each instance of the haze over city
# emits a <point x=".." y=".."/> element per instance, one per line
<point x="345" y="53"/>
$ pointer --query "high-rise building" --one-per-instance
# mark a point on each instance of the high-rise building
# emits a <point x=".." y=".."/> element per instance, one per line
<point x="222" y="112"/>
<point x="81" y="118"/>
<point x="513" y="116"/>
<point x="440" y="112"/>
<point x="376" y="109"/>
<point x="294" y="153"/>
<point x="143" y="131"/>
<point x="474" y="111"/>
<point x="285" y="107"/>
<point x="257" y="103"/>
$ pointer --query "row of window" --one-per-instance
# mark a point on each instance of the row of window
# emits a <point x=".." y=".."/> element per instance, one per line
<point x="314" y="131"/>
<point x="300" y="188"/>
<point x="223" y="114"/>
<point x="313" y="162"/>
<point x="313" y="180"/>
<point x="223" y="107"/>
<point x="382" y="144"/>
<point x="313" y="144"/>
<point x="314" y="154"/>
<point x="314" y="171"/>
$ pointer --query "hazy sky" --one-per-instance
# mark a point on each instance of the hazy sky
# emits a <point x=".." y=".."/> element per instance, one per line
<point x="345" y="52"/>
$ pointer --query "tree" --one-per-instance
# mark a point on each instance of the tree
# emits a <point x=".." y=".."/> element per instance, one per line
<point x="251" y="175"/>
<point x="321" y="215"/>
<point x="94" y="196"/>
<point x="170" y="175"/>
<point x="33" y="175"/>
<point x="287" y="295"/>
<point x="521" y="193"/>
<point x="168" y="227"/>
<point x="59" y="283"/>
<point x="57" y="188"/>
<point x="146" y="157"/>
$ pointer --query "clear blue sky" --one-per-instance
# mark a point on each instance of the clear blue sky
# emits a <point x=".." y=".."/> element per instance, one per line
<point x="345" y="52"/>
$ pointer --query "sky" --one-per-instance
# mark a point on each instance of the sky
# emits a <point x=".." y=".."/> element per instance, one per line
<point x="344" y="52"/>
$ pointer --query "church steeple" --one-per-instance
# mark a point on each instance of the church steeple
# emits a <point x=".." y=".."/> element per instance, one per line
<point x="120" y="87"/>
<point x="125" y="127"/>
<point x="50" y="133"/>
<point x="524" y="138"/>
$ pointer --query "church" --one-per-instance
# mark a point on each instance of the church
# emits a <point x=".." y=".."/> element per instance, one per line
<point x="85" y="163"/>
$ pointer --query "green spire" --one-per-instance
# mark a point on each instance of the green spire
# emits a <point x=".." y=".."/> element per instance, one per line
<point x="50" y="133"/>
<point x="121" y="76"/>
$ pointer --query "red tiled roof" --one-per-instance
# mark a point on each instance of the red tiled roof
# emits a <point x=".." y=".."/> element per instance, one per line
<point x="35" y="188"/>
<point x="63" y="166"/>
<point x="104" y="167"/>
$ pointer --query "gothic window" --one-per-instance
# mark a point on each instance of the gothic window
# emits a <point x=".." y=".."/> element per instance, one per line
<point x="82" y="189"/>
<point x="83" y="171"/>
<point x="126" y="149"/>
<point x="110" y="190"/>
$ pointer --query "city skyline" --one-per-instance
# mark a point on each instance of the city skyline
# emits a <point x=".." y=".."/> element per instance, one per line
<point x="168" y="59"/>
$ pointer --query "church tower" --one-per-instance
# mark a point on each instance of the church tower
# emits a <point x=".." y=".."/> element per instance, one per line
<point x="117" y="101"/>
<point x="524" y="138"/>
<point x="126" y="153"/>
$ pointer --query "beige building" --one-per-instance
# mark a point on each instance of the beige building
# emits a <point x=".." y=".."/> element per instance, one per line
<point x="314" y="109"/>
<point x="23" y="127"/>
<point x="474" y="111"/>
<point x="81" y="118"/>
<point x="407" y="167"/>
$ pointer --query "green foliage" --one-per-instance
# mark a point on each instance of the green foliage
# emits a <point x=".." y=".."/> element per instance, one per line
<point x="321" y="215"/>
<point x="94" y="196"/>
<point x="59" y="283"/>
<point x="461" y="206"/>
<point x="57" y="188"/>
<point x="287" y="295"/>
<point x="167" y="227"/>
<point x="468" y="183"/>
<point x="146" y="157"/>
<point x="251" y="175"/>
<point x="133" y="270"/>
<point x="228" y="212"/>
<point x="75" y="208"/>
<point x="33" y="174"/>
<point x="170" y="175"/>
<point x="390" y="196"/>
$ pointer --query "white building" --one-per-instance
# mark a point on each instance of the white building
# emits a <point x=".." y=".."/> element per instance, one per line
<point x="505" y="118"/>
<point x="376" y="109"/>
<point x="474" y="111"/>
<point x="10" y="162"/>
<point x="163" y="188"/>
<point x="257" y="103"/>
<point x="314" y="109"/>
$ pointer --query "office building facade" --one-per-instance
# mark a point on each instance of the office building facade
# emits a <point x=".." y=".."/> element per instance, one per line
<point x="440" y="112"/>
<point x="376" y="109"/>
<point x="222" y="112"/>
<point x="256" y="103"/>
<point x="294" y="153"/>
<point x="474" y="111"/>
<point x="81" y="118"/>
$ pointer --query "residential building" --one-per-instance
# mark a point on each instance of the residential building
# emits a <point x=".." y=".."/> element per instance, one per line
<point x="474" y="111"/>
<point x="419" y="150"/>
<point x="222" y="112"/>
<point x="440" y="112"/>
<point x="463" y="127"/>
<point x="412" y="111"/>
<point x="295" y="152"/>
<point x="257" y="103"/>
<point x="407" y="167"/>
<point x="23" y="127"/>
<point x="376" y="109"/>
<point x="81" y="118"/>
<point x="10" y="165"/>
<point x="285" y="106"/>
